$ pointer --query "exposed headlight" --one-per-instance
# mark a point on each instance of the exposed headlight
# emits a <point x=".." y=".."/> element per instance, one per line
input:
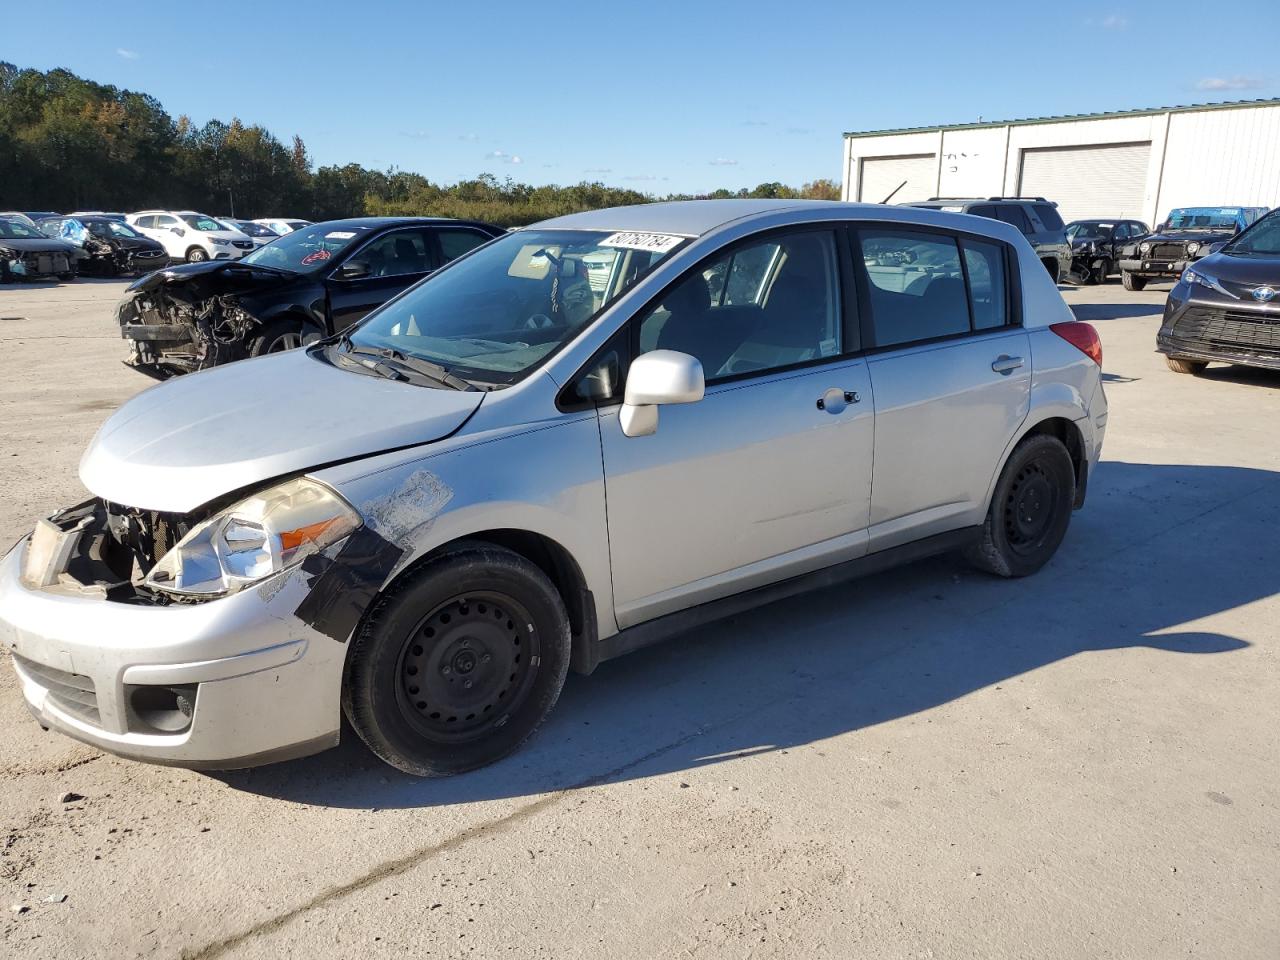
<point x="220" y="242"/>
<point x="1192" y="247"/>
<point x="1144" y="248"/>
<point x="260" y="536"/>
<point x="1197" y="277"/>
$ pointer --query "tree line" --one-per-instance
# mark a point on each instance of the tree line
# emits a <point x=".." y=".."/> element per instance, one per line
<point x="67" y="143"/>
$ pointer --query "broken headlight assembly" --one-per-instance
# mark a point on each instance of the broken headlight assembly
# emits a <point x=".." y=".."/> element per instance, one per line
<point x="258" y="537"/>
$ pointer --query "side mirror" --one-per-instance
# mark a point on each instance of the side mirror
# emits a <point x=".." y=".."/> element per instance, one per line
<point x="655" y="378"/>
<point x="178" y="230"/>
<point x="1215" y="247"/>
<point x="353" y="270"/>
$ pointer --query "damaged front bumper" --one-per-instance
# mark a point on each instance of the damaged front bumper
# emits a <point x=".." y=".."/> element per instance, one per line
<point x="168" y="335"/>
<point x="230" y="682"/>
<point x="36" y="266"/>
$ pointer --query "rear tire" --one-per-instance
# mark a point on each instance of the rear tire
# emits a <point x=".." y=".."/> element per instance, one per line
<point x="458" y="663"/>
<point x="1179" y="365"/>
<point x="1030" y="509"/>
<point x="1131" y="281"/>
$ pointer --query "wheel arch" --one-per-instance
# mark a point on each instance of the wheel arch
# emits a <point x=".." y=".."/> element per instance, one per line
<point x="1066" y="430"/>
<point x="554" y="560"/>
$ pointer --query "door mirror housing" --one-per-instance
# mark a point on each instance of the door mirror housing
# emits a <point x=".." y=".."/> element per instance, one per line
<point x="1215" y="247"/>
<point x="178" y="230"/>
<point x="354" y="270"/>
<point x="655" y="378"/>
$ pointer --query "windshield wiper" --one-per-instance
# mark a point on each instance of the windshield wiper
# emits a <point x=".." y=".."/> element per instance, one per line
<point x="426" y="368"/>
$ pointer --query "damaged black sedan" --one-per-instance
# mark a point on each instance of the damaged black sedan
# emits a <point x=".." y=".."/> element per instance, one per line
<point x="109" y="247"/>
<point x="306" y="285"/>
<point x="27" y="254"/>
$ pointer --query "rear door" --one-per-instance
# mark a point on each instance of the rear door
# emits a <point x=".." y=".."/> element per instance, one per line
<point x="768" y="476"/>
<point x="394" y="260"/>
<point x="950" y="368"/>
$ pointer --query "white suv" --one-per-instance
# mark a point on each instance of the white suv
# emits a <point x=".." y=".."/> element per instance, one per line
<point x="190" y="236"/>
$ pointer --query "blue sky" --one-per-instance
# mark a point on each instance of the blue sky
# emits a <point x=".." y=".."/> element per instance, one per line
<point x="659" y="96"/>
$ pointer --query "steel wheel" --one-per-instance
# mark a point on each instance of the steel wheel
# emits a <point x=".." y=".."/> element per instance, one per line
<point x="1030" y="508"/>
<point x="468" y="665"/>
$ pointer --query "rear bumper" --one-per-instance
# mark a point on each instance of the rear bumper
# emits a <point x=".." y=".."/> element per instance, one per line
<point x="264" y="686"/>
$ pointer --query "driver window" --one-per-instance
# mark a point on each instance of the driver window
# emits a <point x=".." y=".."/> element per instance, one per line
<point x="764" y="306"/>
<point x="395" y="254"/>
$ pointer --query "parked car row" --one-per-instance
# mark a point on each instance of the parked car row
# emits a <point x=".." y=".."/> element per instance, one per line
<point x="44" y="244"/>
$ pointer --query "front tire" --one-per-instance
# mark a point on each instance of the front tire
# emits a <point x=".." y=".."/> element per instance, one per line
<point x="1132" y="281"/>
<point x="197" y="255"/>
<point x="1099" y="276"/>
<point x="1030" y="510"/>
<point x="1178" y="365"/>
<point x="458" y="663"/>
<point x="283" y="333"/>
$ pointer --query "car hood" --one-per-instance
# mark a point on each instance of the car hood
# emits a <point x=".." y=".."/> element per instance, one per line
<point x="1242" y="274"/>
<point x="1201" y="237"/>
<point x="213" y="278"/>
<point x="130" y="243"/>
<point x="189" y="440"/>
<point x="35" y="245"/>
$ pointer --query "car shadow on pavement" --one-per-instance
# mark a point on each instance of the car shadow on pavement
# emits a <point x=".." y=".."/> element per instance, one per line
<point x="1251" y="376"/>
<point x="847" y="658"/>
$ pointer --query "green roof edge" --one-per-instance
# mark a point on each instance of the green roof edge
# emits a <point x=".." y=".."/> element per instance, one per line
<point x="1144" y="112"/>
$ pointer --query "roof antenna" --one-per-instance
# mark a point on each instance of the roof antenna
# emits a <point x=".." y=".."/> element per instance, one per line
<point x="895" y="191"/>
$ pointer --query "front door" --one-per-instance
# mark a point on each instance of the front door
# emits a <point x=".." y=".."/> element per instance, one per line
<point x="769" y="475"/>
<point x="391" y="262"/>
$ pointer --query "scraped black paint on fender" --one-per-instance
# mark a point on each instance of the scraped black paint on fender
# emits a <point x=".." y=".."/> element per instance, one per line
<point x="342" y="587"/>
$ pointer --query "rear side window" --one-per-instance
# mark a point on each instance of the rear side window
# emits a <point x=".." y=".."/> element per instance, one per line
<point x="915" y="286"/>
<point x="1048" y="216"/>
<point x="1013" y="214"/>
<point x="922" y="286"/>
<point x="988" y="291"/>
<point x="454" y="243"/>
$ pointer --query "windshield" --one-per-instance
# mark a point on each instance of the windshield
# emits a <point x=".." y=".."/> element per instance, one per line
<point x="1260" y="240"/>
<point x="1090" y="231"/>
<point x="112" y="228"/>
<point x="306" y="250"/>
<point x="1204" y="218"/>
<point x="252" y="229"/>
<point x="497" y="313"/>
<point x="17" y="230"/>
<point x="201" y="222"/>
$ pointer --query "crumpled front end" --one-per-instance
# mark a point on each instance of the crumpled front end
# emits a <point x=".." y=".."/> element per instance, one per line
<point x="36" y="265"/>
<point x="173" y="330"/>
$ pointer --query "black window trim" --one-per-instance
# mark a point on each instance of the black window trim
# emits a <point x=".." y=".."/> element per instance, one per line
<point x="428" y="243"/>
<point x="1012" y="280"/>
<point x="849" y="310"/>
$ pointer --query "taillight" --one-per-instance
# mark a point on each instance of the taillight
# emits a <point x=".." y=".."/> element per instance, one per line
<point x="1082" y="336"/>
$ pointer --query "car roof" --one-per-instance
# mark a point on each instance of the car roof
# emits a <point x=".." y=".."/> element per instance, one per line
<point x="687" y="218"/>
<point x="375" y="222"/>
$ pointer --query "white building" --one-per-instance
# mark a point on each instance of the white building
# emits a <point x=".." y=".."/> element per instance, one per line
<point x="1136" y="163"/>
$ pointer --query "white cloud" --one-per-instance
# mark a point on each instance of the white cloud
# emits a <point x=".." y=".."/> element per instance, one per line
<point x="1114" y="21"/>
<point x="755" y="123"/>
<point x="723" y="162"/>
<point x="128" y="54"/>
<point x="1229" y="83"/>
<point x="415" y="134"/>
<point x="513" y="159"/>
<point x="495" y="154"/>
<point x="641" y="176"/>
<point x="469" y="137"/>
<point x="598" y="170"/>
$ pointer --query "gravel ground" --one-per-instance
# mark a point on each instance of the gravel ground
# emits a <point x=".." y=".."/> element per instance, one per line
<point x="928" y="763"/>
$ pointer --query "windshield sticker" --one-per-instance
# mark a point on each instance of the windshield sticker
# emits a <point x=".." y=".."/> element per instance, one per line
<point x="652" y="242"/>
<point x="340" y="235"/>
<point x="316" y="257"/>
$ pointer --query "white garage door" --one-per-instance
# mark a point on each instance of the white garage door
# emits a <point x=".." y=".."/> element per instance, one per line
<point x="882" y="175"/>
<point x="1099" y="181"/>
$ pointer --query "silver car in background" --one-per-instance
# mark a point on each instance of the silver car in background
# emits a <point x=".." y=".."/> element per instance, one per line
<point x="578" y="439"/>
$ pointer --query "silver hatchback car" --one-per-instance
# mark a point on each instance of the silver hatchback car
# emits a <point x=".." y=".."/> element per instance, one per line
<point x="580" y="438"/>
